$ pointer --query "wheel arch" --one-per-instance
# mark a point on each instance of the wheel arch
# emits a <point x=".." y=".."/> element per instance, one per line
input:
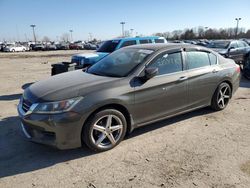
<point x="116" y="106"/>
<point x="228" y="81"/>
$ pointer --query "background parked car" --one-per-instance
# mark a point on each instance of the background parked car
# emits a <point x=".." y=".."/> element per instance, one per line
<point x="62" y="46"/>
<point x="76" y="46"/>
<point x="14" y="48"/>
<point x="237" y="50"/>
<point x="90" y="46"/>
<point x="50" y="47"/>
<point x="38" y="47"/>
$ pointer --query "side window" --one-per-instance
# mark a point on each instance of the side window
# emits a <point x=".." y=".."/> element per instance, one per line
<point x="242" y="44"/>
<point x="196" y="59"/>
<point x="159" y="41"/>
<point x="233" y="44"/>
<point x="167" y="63"/>
<point x="212" y="58"/>
<point x="145" y="41"/>
<point x="128" y="43"/>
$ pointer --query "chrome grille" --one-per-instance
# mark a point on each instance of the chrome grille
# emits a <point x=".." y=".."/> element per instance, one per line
<point x="26" y="105"/>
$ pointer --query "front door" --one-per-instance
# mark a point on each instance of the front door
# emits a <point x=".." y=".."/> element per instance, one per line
<point x="166" y="93"/>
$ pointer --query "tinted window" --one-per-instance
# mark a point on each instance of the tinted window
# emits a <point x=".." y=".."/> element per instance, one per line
<point x="108" y="46"/>
<point x="128" y="43"/>
<point x="212" y="58"/>
<point x="197" y="59"/>
<point x="145" y="41"/>
<point x="159" y="41"/>
<point x="167" y="63"/>
<point x="234" y="45"/>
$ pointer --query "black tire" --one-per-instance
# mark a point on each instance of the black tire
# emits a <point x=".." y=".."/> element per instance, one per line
<point x="220" y="102"/>
<point x="91" y="135"/>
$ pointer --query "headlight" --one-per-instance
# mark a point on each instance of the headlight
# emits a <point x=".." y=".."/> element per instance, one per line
<point x="56" y="107"/>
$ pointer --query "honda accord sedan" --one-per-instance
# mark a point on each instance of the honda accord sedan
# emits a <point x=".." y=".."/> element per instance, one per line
<point x="129" y="88"/>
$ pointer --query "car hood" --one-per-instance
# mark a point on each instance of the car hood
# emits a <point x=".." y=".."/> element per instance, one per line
<point x="90" y="58"/>
<point x="65" y="86"/>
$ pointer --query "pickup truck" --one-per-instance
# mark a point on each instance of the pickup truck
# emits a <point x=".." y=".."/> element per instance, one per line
<point x="88" y="59"/>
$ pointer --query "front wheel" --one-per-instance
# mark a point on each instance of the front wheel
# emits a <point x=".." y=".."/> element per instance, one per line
<point x="104" y="130"/>
<point x="221" y="96"/>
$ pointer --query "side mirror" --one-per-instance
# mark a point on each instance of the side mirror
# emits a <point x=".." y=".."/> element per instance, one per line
<point x="150" y="73"/>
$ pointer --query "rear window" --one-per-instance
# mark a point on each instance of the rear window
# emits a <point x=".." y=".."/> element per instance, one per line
<point x="159" y="41"/>
<point x="128" y="43"/>
<point x="145" y="41"/>
<point x="108" y="46"/>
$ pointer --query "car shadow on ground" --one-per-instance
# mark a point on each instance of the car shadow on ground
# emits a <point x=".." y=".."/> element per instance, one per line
<point x="14" y="96"/>
<point x="10" y="97"/>
<point x="17" y="155"/>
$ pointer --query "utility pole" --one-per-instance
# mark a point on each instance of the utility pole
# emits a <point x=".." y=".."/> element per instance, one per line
<point x="122" y="23"/>
<point x="71" y="31"/>
<point x="237" y="26"/>
<point x="33" y="28"/>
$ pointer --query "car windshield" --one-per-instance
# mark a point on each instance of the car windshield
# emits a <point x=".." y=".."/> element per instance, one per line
<point x="120" y="63"/>
<point x="108" y="46"/>
<point x="219" y="44"/>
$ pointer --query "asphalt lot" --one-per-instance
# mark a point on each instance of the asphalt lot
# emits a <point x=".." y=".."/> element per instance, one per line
<point x="198" y="149"/>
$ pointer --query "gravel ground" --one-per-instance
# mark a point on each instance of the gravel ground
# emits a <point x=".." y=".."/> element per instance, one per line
<point x="198" y="149"/>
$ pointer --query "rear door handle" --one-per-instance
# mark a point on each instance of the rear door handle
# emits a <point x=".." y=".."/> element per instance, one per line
<point x="182" y="78"/>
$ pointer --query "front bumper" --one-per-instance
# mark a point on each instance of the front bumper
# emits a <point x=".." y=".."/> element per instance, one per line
<point x="62" y="131"/>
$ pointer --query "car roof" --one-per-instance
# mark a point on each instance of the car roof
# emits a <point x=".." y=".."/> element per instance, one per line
<point x="166" y="46"/>
<point x="135" y="38"/>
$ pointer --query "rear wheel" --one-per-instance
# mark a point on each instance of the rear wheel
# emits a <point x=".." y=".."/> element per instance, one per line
<point x="104" y="130"/>
<point x="221" y="96"/>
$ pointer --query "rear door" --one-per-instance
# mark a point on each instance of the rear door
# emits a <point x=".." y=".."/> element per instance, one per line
<point x="166" y="93"/>
<point x="203" y="76"/>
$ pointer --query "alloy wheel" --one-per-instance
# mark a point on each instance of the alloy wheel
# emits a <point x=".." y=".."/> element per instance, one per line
<point x="107" y="131"/>
<point x="224" y="96"/>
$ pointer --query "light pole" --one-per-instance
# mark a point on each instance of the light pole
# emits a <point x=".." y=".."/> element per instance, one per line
<point x="122" y="23"/>
<point x="237" y="26"/>
<point x="71" y="31"/>
<point x="33" y="28"/>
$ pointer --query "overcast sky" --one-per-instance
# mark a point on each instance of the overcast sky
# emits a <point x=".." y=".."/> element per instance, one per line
<point x="102" y="18"/>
